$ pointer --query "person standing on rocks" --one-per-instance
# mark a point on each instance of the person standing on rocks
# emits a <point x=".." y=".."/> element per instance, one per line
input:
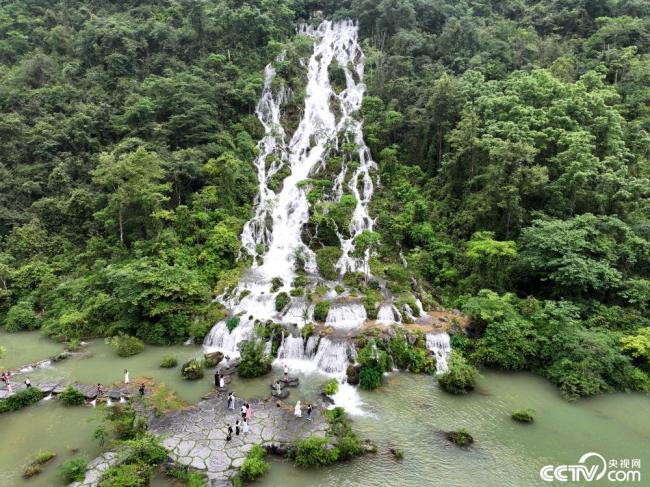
<point x="222" y="381"/>
<point x="28" y="383"/>
<point x="231" y="401"/>
<point x="286" y="372"/>
<point x="297" y="411"/>
<point x="141" y="390"/>
<point x="243" y="411"/>
<point x="229" y="435"/>
<point x="216" y="378"/>
<point x="126" y="376"/>
<point x="237" y="423"/>
<point x="100" y="390"/>
<point x="249" y="411"/>
<point x="309" y="410"/>
<point x="245" y="426"/>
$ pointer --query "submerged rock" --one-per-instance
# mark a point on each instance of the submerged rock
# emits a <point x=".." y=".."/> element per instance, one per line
<point x="353" y="372"/>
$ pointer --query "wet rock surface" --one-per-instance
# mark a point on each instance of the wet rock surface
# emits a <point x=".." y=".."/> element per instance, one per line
<point x="196" y="436"/>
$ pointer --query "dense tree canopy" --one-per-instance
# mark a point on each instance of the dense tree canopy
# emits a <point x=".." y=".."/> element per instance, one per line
<point x="513" y="142"/>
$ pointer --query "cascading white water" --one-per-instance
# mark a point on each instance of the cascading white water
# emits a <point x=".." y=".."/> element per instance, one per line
<point x="440" y="345"/>
<point x="346" y="315"/>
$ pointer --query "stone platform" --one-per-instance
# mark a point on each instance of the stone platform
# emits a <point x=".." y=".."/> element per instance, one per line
<point x="196" y="436"/>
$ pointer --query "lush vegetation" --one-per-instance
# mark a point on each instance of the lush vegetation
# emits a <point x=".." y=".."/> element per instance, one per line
<point x="331" y="387"/>
<point x="71" y="396"/>
<point x="460" y="437"/>
<point x="193" y="369"/>
<point x="21" y="399"/>
<point x="125" y="346"/>
<point x="523" y="415"/>
<point x="254" y="465"/>
<point x="511" y="139"/>
<point x="254" y="362"/>
<point x="36" y="467"/>
<point x="461" y="376"/>
<point x="168" y="362"/>
<point x="73" y="470"/>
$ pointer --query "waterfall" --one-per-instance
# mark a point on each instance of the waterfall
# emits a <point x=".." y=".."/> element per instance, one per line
<point x="388" y="314"/>
<point x="347" y="315"/>
<point x="439" y="344"/>
<point x="273" y="236"/>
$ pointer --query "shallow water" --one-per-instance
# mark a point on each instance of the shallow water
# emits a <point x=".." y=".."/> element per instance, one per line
<point x="410" y="412"/>
<point x="45" y="426"/>
<point x="26" y="347"/>
<point x="100" y="364"/>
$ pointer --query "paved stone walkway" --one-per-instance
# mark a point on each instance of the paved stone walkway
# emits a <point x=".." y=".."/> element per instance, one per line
<point x="96" y="469"/>
<point x="197" y="436"/>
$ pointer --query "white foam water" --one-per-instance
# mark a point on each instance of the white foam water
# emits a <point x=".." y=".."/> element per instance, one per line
<point x="440" y="345"/>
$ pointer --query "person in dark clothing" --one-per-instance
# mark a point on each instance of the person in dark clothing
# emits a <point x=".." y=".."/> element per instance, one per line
<point x="216" y="379"/>
<point x="141" y="389"/>
<point x="309" y="410"/>
<point x="237" y="423"/>
<point x="229" y="435"/>
<point x="28" y="383"/>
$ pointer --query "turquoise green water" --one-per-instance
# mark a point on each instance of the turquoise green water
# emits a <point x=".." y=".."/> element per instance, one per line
<point x="409" y="412"/>
<point x="26" y="347"/>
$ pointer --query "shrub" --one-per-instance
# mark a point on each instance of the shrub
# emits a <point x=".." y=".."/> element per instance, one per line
<point x="422" y="362"/>
<point x="523" y="415"/>
<point x="297" y="292"/>
<point x="21" y="317"/>
<point x="461" y="376"/>
<point x="326" y="259"/>
<point x="313" y="451"/>
<point x="331" y="387"/>
<point x="397" y="453"/>
<point x="276" y="283"/>
<point x="135" y="474"/>
<point x="307" y="330"/>
<point x="71" y="396"/>
<point x="281" y="301"/>
<point x="126" y="346"/>
<point x="146" y="449"/>
<point x="254" y="465"/>
<point x="125" y="423"/>
<point x="74" y="344"/>
<point x="21" y="399"/>
<point x="163" y="400"/>
<point x="254" y="362"/>
<point x="232" y="323"/>
<point x="168" y="362"/>
<point x="321" y="310"/>
<point x="73" y="470"/>
<point x="349" y="446"/>
<point x="44" y="457"/>
<point x="370" y="378"/>
<point x="460" y="437"/>
<point x="192" y="369"/>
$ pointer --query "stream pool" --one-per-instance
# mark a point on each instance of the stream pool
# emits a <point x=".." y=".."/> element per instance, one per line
<point x="409" y="413"/>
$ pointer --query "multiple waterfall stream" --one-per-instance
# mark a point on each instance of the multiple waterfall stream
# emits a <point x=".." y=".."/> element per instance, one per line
<point x="273" y="236"/>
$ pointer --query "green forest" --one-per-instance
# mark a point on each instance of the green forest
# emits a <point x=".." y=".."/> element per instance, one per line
<point x="512" y="137"/>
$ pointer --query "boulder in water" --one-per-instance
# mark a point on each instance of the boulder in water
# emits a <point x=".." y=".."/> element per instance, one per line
<point x="353" y="372"/>
<point x="460" y="437"/>
<point x="212" y="359"/>
<point x="290" y="381"/>
<point x="283" y="394"/>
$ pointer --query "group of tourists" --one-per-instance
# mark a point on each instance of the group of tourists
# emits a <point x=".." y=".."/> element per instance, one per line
<point x="219" y="380"/>
<point x="241" y="425"/>
<point x="297" y="410"/>
<point x="6" y="380"/>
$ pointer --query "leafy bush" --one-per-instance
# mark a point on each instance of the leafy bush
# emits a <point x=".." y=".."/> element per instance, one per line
<point x="370" y="378"/>
<point x="313" y="451"/>
<point x="331" y="387"/>
<point x="232" y="323"/>
<point x="307" y="330"/>
<point x="461" y="376"/>
<point x="253" y="362"/>
<point x="44" y="457"/>
<point x="276" y="283"/>
<point x="422" y="362"/>
<point x="349" y="446"/>
<point x="126" y="346"/>
<point x="297" y="292"/>
<point x="523" y="415"/>
<point x="73" y="470"/>
<point x="163" y="400"/>
<point x="192" y="369"/>
<point x="136" y="474"/>
<point x="397" y="453"/>
<point x="168" y="362"/>
<point x="21" y="399"/>
<point x="70" y="396"/>
<point x="21" y="317"/>
<point x="326" y="259"/>
<point x="254" y="465"/>
<point x="126" y="424"/>
<point x="321" y="310"/>
<point x="281" y="301"/>
<point x="146" y="449"/>
<point x="460" y="437"/>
